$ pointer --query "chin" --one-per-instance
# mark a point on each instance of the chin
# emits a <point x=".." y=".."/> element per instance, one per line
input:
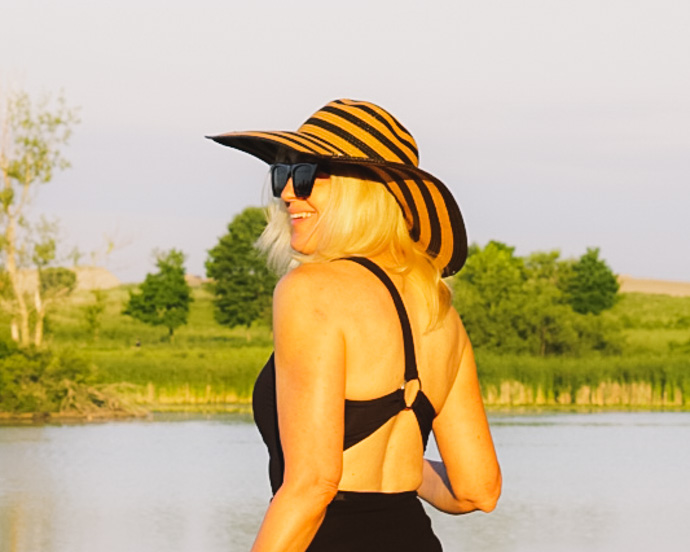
<point x="300" y="246"/>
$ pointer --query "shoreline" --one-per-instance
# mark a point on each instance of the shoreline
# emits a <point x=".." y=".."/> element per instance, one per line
<point x="186" y="412"/>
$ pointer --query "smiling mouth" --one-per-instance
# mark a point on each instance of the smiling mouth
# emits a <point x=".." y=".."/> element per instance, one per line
<point x="303" y="215"/>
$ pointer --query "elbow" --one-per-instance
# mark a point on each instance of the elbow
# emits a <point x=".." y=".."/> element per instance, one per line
<point x="484" y="500"/>
<point x="487" y="503"/>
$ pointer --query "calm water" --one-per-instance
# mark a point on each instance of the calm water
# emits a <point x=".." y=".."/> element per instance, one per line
<point x="572" y="482"/>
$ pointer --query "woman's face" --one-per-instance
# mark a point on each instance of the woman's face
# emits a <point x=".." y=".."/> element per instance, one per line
<point x="305" y="214"/>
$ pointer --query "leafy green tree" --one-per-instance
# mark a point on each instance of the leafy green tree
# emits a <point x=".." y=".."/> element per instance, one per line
<point x="242" y="283"/>
<point x="518" y="305"/>
<point x="490" y="297"/>
<point x="31" y="137"/>
<point x="591" y="287"/>
<point x="165" y="296"/>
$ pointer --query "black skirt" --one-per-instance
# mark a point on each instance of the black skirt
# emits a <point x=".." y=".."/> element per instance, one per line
<point x="376" y="522"/>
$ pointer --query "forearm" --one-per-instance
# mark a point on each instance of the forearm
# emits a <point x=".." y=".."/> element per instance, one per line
<point x="292" y="520"/>
<point x="437" y="491"/>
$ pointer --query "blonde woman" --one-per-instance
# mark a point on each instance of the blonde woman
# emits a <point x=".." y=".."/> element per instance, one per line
<point x="370" y="356"/>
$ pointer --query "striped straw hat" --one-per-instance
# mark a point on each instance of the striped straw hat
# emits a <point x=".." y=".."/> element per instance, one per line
<point x="349" y="132"/>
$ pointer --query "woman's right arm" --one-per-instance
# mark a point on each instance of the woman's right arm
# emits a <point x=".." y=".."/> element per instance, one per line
<point x="469" y="478"/>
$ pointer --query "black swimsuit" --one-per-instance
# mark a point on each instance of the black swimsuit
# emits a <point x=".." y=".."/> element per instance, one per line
<point x="361" y="521"/>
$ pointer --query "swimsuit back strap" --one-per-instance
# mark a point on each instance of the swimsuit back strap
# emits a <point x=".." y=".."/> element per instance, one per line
<point x="410" y="358"/>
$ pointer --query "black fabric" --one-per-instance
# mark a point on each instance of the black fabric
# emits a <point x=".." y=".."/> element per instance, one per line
<point x="375" y="522"/>
<point x="362" y="418"/>
<point x="266" y="419"/>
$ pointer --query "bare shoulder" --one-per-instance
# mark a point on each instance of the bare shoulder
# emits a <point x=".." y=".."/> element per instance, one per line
<point x="321" y="291"/>
<point x="318" y="281"/>
<point x="312" y="282"/>
<point x="307" y="277"/>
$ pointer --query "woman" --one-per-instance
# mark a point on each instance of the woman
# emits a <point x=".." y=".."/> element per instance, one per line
<point x="369" y="353"/>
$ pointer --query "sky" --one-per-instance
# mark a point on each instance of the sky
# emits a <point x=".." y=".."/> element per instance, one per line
<point x="556" y="124"/>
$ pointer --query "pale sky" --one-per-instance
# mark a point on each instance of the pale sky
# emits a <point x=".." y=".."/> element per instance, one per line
<point x="556" y="124"/>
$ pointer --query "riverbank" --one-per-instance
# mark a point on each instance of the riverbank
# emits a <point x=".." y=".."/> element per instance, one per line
<point x="508" y="397"/>
<point x="212" y="369"/>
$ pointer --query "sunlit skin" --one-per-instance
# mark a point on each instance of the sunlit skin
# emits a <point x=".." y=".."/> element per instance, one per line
<point x="333" y="324"/>
<point x="305" y="214"/>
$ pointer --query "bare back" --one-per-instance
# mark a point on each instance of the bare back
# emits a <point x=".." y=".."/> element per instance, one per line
<point x="391" y="459"/>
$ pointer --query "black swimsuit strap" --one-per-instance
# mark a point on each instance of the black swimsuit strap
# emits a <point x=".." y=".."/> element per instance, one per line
<point x="410" y="358"/>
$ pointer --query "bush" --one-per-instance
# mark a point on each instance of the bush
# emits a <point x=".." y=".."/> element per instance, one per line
<point x="41" y="381"/>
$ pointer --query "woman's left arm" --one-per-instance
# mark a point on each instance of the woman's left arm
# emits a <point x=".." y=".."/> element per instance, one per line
<point x="310" y="383"/>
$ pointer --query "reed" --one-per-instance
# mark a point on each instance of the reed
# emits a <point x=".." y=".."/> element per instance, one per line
<point x="602" y="380"/>
<point x="189" y="375"/>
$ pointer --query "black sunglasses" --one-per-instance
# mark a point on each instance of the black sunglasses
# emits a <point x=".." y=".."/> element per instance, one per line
<point x="303" y="176"/>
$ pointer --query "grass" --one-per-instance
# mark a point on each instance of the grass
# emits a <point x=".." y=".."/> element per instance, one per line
<point x="558" y="377"/>
<point x="208" y="366"/>
<point x="205" y="363"/>
<point x="653" y="312"/>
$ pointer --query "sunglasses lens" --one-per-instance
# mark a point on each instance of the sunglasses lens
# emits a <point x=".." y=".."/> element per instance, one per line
<point x="279" y="177"/>
<point x="303" y="179"/>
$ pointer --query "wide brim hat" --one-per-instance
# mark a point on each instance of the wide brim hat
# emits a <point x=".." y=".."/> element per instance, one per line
<point x="356" y="133"/>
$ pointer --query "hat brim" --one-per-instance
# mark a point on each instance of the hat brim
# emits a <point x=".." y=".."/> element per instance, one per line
<point x="431" y="212"/>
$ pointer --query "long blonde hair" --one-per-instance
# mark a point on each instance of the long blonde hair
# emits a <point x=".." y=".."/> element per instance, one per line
<point x="361" y="219"/>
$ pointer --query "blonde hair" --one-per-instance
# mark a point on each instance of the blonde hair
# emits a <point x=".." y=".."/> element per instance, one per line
<point x="361" y="219"/>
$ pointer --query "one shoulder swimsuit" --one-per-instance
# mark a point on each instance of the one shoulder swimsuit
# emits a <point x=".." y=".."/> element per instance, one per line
<point x="361" y="521"/>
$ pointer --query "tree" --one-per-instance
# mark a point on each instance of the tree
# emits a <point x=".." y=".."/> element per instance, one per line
<point x="490" y="297"/>
<point x="518" y="305"/>
<point x="31" y="138"/>
<point x="549" y="319"/>
<point x="165" y="296"/>
<point x="242" y="283"/>
<point x="54" y="283"/>
<point x="591" y="286"/>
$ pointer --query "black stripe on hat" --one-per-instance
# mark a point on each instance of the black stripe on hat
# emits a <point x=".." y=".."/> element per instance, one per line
<point x="375" y="133"/>
<point x="459" y="254"/>
<point x="321" y="142"/>
<point x="336" y="130"/>
<point x="385" y="122"/>
<point x="290" y="138"/>
<point x="409" y="200"/>
<point x="434" y="246"/>
<point x="266" y="150"/>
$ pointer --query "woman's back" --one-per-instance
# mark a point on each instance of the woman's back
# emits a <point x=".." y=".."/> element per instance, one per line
<point x="390" y="459"/>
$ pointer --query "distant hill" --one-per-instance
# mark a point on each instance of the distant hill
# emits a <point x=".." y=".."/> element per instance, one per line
<point x="660" y="287"/>
<point x="95" y="277"/>
<point x="88" y="277"/>
<point x="195" y="281"/>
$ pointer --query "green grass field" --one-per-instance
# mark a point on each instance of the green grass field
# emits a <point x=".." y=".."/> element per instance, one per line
<point x="209" y="367"/>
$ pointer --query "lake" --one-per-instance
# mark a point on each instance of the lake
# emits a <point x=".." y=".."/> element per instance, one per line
<point x="594" y="482"/>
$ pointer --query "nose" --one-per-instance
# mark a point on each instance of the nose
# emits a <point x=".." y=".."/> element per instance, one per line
<point x="288" y="193"/>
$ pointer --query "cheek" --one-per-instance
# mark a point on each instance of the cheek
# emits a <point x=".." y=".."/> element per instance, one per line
<point x="320" y="194"/>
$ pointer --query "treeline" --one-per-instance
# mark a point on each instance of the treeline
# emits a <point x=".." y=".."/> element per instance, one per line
<point x="537" y="305"/>
<point x="537" y="321"/>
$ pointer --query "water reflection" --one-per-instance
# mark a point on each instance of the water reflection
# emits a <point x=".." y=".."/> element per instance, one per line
<point x="596" y="482"/>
